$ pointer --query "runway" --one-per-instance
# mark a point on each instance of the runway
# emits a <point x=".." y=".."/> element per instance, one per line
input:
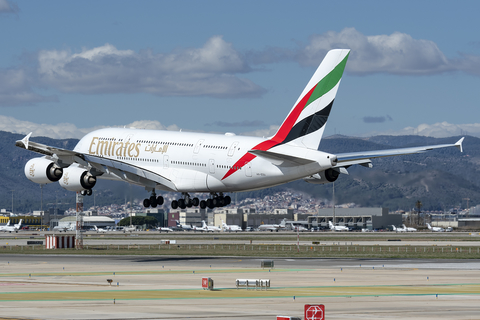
<point x="169" y="287"/>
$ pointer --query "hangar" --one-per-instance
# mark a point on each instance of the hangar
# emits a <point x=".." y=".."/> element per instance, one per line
<point x="356" y="218"/>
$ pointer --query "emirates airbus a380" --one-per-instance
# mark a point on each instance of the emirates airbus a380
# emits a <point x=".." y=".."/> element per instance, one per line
<point x="215" y="164"/>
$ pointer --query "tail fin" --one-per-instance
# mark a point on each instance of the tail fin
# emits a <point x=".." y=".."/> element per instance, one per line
<point x="330" y="224"/>
<point x="305" y="123"/>
<point x="429" y="226"/>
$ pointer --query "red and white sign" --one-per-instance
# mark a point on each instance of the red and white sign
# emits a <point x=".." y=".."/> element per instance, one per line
<point x="205" y="283"/>
<point x="314" y="312"/>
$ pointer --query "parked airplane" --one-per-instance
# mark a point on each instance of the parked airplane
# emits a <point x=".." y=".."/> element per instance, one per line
<point x="211" y="163"/>
<point x="70" y="227"/>
<point x="184" y="227"/>
<point x="2" y="228"/>
<point x="210" y="228"/>
<point x="164" y="229"/>
<point x="336" y="228"/>
<point x="231" y="227"/>
<point x="130" y="229"/>
<point x="409" y="229"/>
<point x="201" y="229"/>
<point x="273" y="227"/>
<point x="99" y="230"/>
<point x="398" y="229"/>
<point x="14" y="228"/>
<point x="435" y="229"/>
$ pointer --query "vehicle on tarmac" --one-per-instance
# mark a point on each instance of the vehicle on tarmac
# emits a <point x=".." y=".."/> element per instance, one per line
<point x="409" y="229"/>
<point x="398" y="229"/>
<point x="273" y="227"/>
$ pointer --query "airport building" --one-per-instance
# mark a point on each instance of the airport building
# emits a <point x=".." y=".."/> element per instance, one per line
<point x="88" y="222"/>
<point x="356" y="218"/>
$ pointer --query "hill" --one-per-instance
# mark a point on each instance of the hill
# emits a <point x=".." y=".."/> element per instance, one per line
<point x="440" y="179"/>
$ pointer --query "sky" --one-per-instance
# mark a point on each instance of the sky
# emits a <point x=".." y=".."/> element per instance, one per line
<point x="69" y="67"/>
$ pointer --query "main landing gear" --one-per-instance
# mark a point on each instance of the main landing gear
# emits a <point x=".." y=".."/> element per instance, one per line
<point x="215" y="201"/>
<point x="86" y="192"/>
<point x="153" y="201"/>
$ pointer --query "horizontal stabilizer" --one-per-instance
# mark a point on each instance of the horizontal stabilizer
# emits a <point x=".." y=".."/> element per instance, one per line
<point x="279" y="159"/>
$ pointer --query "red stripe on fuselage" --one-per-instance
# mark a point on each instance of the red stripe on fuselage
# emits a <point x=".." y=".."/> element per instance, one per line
<point x="277" y="139"/>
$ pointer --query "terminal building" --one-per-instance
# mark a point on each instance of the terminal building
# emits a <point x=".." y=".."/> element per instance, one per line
<point x="356" y="218"/>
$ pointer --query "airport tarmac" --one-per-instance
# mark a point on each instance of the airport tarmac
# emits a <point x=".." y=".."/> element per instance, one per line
<point x="169" y="287"/>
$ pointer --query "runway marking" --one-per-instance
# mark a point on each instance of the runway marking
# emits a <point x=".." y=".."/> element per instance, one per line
<point x="228" y="293"/>
<point x="163" y="271"/>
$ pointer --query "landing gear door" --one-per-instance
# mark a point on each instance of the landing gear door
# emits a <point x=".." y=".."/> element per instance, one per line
<point x="198" y="146"/>
<point x="234" y="146"/>
<point x="166" y="162"/>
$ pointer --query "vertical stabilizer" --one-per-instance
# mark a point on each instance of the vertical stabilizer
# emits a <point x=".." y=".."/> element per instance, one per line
<point x="306" y="121"/>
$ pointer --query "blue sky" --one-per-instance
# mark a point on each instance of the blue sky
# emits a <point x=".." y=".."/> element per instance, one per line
<point x="68" y="67"/>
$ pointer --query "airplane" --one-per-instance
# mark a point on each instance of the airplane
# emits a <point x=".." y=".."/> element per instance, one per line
<point x="164" y="229"/>
<point x="409" y="229"/>
<point x="14" y="228"/>
<point x="298" y="228"/>
<point x="273" y="227"/>
<point x="187" y="162"/>
<point x="2" y="228"/>
<point x="231" y="227"/>
<point x="210" y="228"/>
<point x="337" y="228"/>
<point x="184" y="227"/>
<point x="201" y="229"/>
<point x="435" y="229"/>
<point x="129" y="229"/>
<point x="398" y="229"/>
<point x="71" y="227"/>
<point x="99" y="230"/>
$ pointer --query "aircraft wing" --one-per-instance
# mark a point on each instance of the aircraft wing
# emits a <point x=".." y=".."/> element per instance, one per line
<point x="102" y="167"/>
<point x="347" y="159"/>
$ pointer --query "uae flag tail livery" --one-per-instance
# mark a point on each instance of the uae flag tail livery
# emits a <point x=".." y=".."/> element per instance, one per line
<point x="211" y="164"/>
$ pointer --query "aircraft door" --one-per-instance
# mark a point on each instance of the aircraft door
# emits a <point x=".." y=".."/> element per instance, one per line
<point x="248" y="170"/>
<point x="232" y="149"/>
<point x="211" y="166"/>
<point x="198" y="146"/>
<point x="166" y="162"/>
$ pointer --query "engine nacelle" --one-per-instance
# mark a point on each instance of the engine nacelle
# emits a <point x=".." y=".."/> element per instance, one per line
<point x="77" y="179"/>
<point x="327" y="176"/>
<point x="42" y="171"/>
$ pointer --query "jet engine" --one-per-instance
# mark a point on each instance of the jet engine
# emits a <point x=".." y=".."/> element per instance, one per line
<point x="77" y="179"/>
<point x="327" y="176"/>
<point x="42" y="170"/>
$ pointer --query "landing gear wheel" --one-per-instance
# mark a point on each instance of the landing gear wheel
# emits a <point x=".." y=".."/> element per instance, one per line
<point x="203" y="204"/>
<point x="146" y="203"/>
<point x="195" y="202"/>
<point x="153" y="201"/>
<point x="210" y="203"/>
<point x="160" y="200"/>
<point x="174" y="204"/>
<point x="189" y="203"/>
<point x="181" y="203"/>
<point x="89" y="192"/>
<point x="228" y="200"/>
<point x="83" y="192"/>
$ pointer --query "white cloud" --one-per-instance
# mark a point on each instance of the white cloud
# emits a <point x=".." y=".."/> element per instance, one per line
<point x="397" y="53"/>
<point x="8" y="7"/>
<point x="208" y="71"/>
<point x="16" y="90"/>
<point x="436" y="130"/>
<point x="69" y="130"/>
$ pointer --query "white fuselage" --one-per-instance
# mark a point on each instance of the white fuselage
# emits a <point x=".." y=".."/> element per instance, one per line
<point x="195" y="162"/>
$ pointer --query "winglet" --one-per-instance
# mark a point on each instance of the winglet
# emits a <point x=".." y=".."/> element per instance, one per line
<point x="459" y="144"/>
<point x="26" y="139"/>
